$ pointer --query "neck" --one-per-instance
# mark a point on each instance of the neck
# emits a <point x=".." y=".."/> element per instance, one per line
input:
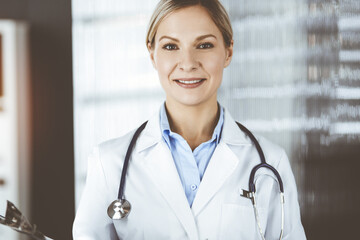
<point x="195" y="124"/>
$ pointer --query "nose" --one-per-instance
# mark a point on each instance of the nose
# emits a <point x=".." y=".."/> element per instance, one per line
<point x="188" y="61"/>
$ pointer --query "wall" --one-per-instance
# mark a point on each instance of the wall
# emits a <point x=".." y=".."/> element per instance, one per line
<point x="52" y="204"/>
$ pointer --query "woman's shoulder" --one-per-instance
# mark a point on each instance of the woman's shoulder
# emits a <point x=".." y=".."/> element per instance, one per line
<point x="116" y="145"/>
<point x="268" y="144"/>
<point x="273" y="152"/>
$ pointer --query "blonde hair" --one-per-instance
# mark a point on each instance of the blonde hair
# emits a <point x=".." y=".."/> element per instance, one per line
<point x="215" y="9"/>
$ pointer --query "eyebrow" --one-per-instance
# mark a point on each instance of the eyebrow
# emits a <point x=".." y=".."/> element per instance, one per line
<point x="197" y="39"/>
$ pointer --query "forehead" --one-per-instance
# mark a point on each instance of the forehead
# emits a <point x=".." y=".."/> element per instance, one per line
<point x="187" y="22"/>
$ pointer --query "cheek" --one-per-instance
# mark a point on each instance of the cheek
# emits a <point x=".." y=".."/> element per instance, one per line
<point x="214" y="64"/>
<point x="165" y="65"/>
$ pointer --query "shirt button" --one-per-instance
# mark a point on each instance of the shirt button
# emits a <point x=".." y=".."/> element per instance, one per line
<point x="193" y="187"/>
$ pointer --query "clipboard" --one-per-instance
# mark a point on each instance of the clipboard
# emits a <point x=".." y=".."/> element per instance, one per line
<point x="18" y="222"/>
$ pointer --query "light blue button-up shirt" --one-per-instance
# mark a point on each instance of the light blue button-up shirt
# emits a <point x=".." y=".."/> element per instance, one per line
<point x="191" y="165"/>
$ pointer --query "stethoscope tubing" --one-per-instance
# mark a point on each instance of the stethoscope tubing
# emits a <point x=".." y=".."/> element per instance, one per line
<point x="127" y="158"/>
<point x="263" y="163"/>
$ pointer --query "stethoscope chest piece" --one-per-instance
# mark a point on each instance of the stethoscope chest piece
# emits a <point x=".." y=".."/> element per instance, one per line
<point x="119" y="209"/>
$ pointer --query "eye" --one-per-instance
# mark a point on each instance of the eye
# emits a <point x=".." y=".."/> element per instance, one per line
<point x="169" y="47"/>
<point x="206" y="45"/>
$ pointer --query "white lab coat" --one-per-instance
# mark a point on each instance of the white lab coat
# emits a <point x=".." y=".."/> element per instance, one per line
<point x="159" y="208"/>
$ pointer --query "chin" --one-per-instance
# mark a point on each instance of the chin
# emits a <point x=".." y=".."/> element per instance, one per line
<point x="192" y="101"/>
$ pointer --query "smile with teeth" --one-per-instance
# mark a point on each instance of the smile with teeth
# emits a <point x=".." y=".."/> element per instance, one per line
<point x="190" y="81"/>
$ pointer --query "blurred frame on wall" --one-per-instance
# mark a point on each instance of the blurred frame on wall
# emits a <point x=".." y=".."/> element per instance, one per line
<point x="1" y="76"/>
<point x="14" y="121"/>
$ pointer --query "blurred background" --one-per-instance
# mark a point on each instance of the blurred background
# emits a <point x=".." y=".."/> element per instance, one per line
<point x="75" y="73"/>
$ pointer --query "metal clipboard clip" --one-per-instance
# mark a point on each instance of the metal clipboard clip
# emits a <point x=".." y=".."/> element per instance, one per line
<point x="18" y="222"/>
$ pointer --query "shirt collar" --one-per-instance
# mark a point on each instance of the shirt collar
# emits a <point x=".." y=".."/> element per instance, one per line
<point x="166" y="131"/>
<point x="164" y="125"/>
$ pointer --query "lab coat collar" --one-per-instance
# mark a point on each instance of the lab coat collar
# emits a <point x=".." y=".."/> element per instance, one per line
<point x="151" y="134"/>
<point x="165" y="176"/>
<point x="231" y="133"/>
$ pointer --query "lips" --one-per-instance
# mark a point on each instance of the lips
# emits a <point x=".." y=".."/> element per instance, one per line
<point x="189" y="82"/>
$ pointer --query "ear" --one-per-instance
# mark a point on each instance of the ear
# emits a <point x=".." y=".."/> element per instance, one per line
<point x="151" y="52"/>
<point x="229" y="53"/>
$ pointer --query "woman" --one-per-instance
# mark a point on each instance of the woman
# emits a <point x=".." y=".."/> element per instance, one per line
<point x="191" y="162"/>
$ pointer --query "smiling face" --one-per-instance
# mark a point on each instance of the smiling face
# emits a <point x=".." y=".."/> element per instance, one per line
<point x="190" y="55"/>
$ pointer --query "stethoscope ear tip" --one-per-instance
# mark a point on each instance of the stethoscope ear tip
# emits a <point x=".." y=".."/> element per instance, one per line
<point x="119" y="209"/>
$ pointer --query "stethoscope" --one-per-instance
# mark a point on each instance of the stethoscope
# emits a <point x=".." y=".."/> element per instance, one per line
<point x="120" y="208"/>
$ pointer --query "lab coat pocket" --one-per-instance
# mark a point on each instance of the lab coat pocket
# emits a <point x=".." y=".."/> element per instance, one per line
<point x="238" y="222"/>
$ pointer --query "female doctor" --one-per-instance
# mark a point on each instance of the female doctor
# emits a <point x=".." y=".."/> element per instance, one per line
<point x="191" y="163"/>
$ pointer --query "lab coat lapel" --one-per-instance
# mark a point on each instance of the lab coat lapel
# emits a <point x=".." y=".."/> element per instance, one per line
<point x="159" y="163"/>
<point x="222" y="163"/>
<point x="221" y="166"/>
<point x="162" y="171"/>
